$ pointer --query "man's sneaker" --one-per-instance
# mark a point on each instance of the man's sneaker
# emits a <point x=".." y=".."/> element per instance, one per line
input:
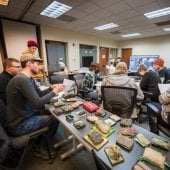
<point x="43" y="153"/>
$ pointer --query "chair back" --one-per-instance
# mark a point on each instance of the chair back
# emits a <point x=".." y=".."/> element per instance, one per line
<point x="119" y="100"/>
<point x="79" y="78"/>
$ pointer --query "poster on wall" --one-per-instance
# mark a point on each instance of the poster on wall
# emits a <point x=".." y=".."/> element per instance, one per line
<point x="136" y="60"/>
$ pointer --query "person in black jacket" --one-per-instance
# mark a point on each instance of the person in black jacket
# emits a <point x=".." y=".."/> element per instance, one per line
<point x="163" y="72"/>
<point x="149" y="82"/>
<point x="12" y="67"/>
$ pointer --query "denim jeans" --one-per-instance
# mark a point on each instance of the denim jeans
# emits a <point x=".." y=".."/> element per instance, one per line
<point x="37" y="122"/>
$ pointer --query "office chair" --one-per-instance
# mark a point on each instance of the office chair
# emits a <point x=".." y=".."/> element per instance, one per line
<point x="143" y="114"/>
<point x="79" y="78"/>
<point x="100" y="165"/>
<point x="119" y="100"/>
<point x="154" y="111"/>
<point x="16" y="144"/>
<point x="56" y="79"/>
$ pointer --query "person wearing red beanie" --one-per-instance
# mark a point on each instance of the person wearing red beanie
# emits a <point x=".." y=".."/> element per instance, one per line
<point x="163" y="72"/>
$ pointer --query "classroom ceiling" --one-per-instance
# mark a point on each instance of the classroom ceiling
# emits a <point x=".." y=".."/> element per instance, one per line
<point x="87" y="14"/>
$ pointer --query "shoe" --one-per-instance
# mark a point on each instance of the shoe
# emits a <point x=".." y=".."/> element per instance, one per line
<point x="43" y="153"/>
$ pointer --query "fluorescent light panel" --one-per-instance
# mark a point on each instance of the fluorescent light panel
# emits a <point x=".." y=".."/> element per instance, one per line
<point x="131" y="35"/>
<point x="4" y="2"/>
<point x="106" y="26"/>
<point x="166" y="29"/>
<point x="158" y="13"/>
<point x="55" y="9"/>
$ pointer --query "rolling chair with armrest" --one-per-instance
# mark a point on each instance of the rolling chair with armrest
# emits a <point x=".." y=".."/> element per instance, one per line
<point x="79" y="78"/>
<point x="119" y="100"/>
<point x="154" y="112"/>
<point x="143" y="115"/>
<point x="17" y="143"/>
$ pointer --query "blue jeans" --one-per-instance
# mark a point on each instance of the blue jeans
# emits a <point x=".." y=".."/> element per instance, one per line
<point x="37" y="122"/>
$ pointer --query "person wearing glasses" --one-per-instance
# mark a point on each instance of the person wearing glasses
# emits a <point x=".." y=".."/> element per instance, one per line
<point x="12" y="67"/>
<point x="24" y="114"/>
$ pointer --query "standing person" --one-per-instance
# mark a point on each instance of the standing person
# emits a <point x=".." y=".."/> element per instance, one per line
<point x="12" y="67"/>
<point x="23" y="102"/>
<point x="32" y="47"/>
<point x="110" y="69"/>
<point x="62" y="66"/>
<point x="163" y="72"/>
<point x="149" y="82"/>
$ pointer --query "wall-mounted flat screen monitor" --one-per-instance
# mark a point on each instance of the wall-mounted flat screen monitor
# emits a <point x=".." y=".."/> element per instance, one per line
<point x="136" y="60"/>
<point x="86" y="61"/>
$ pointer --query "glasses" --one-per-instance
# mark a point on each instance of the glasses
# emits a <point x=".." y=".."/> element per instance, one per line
<point x="15" y="66"/>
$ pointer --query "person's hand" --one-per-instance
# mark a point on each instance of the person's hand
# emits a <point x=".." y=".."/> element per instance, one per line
<point x="57" y="88"/>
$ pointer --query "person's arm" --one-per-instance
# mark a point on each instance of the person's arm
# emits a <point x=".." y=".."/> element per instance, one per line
<point x="29" y="92"/>
<point x="144" y="82"/>
<point x="164" y="98"/>
<point x="3" y="85"/>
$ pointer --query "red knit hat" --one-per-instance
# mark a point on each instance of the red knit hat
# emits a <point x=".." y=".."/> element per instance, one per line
<point x="159" y="62"/>
<point x="32" y="43"/>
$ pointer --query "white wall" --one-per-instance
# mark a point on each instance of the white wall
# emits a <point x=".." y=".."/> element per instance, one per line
<point x="73" y="59"/>
<point x="16" y="35"/>
<point x="159" y="45"/>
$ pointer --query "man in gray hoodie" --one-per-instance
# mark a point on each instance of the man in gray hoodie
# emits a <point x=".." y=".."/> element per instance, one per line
<point x="120" y="78"/>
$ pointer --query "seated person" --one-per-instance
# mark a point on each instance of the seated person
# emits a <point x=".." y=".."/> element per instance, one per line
<point x="91" y="79"/>
<point x="120" y="78"/>
<point x="12" y="67"/>
<point x="149" y="82"/>
<point x="23" y="101"/>
<point x="163" y="72"/>
<point x="164" y="117"/>
<point x="40" y="76"/>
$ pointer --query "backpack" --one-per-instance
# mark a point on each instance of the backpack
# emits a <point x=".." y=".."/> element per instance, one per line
<point x="5" y="143"/>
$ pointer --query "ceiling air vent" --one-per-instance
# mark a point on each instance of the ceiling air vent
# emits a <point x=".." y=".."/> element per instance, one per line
<point x="115" y="32"/>
<point x="67" y="18"/>
<point x="163" y="23"/>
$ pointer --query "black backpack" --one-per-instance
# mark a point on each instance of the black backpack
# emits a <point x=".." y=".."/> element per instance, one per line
<point x="5" y="142"/>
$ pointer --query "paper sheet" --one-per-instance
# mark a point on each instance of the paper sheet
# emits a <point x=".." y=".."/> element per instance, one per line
<point x="42" y="88"/>
<point x="163" y="87"/>
<point x="67" y="84"/>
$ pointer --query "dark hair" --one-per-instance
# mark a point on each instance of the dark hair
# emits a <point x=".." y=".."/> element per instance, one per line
<point x="142" y="67"/>
<point x="9" y="61"/>
<point x="23" y="63"/>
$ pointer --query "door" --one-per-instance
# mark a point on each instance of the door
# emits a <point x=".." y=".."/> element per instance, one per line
<point x="104" y="55"/>
<point x="126" y="53"/>
<point x="55" y="51"/>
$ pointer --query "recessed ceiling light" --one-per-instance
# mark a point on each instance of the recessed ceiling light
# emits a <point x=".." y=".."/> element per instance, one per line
<point x="166" y="29"/>
<point x="106" y="26"/>
<point x="4" y="2"/>
<point x="158" y="13"/>
<point x="55" y="9"/>
<point x="131" y="35"/>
